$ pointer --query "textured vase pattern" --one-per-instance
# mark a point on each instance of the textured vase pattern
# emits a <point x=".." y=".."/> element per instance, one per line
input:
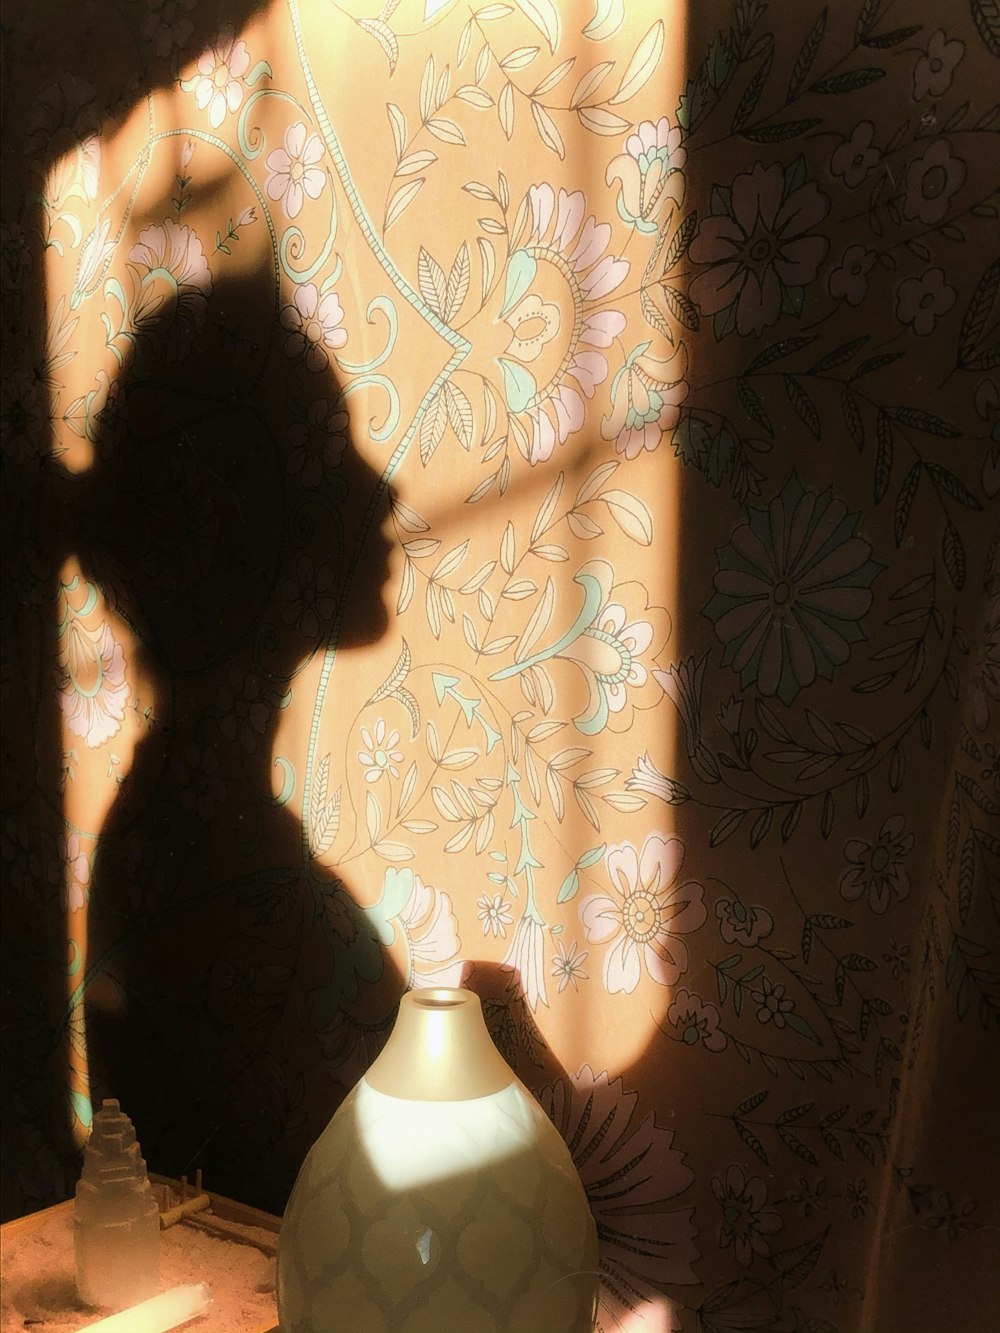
<point x="437" y="1217"/>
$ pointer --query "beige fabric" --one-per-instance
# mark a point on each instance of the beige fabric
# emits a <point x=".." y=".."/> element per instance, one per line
<point x="514" y="489"/>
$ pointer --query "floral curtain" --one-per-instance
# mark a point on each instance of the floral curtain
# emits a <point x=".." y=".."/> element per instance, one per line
<point x="506" y="495"/>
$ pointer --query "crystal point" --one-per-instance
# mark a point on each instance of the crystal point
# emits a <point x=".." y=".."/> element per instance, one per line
<point x="117" y="1222"/>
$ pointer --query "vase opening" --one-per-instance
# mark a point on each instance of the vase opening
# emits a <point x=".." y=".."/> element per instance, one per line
<point x="439" y="999"/>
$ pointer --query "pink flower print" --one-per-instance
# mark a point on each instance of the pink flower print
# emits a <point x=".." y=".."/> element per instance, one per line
<point x="93" y="691"/>
<point x="933" y="72"/>
<point x="494" y="913"/>
<point x="557" y="232"/>
<point x="197" y="773"/>
<point x="649" y="171"/>
<point x="646" y="1234"/>
<point x="742" y="925"/>
<point x="758" y="249"/>
<point x="171" y="284"/>
<point x="931" y="181"/>
<point x="645" y="401"/>
<point x="431" y="930"/>
<point x="645" y="914"/>
<point x="772" y="1003"/>
<point x="919" y="301"/>
<point x="221" y="68"/>
<point x="245" y="709"/>
<point x="78" y="871"/>
<point x="875" y="869"/>
<point x="310" y="597"/>
<point x="525" y="957"/>
<point x="567" y="965"/>
<point x="849" y="281"/>
<point x="695" y="1022"/>
<point x="314" y="323"/>
<point x="746" y="1223"/>
<point x="855" y="157"/>
<point x="318" y="442"/>
<point x="380" y="756"/>
<point x="167" y="25"/>
<point x="292" y="172"/>
<point x="791" y="592"/>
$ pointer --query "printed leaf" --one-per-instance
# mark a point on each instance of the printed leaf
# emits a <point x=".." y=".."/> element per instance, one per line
<point x="547" y="129"/>
<point x="904" y="501"/>
<point x="641" y="66"/>
<point x="505" y="109"/>
<point x="849" y="81"/>
<point x="923" y="421"/>
<point x="776" y="352"/>
<point x="953" y="554"/>
<point x="803" y="404"/>
<point x="397" y="122"/>
<point x="545" y="16"/>
<point x="950" y="484"/>
<point x="680" y="241"/>
<point x="883" y="455"/>
<point x="838" y="356"/>
<point x="446" y="130"/>
<point x="986" y="14"/>
<point x="432" y="283"/>
<point x="401" y="200"/>
<point x="876" y="363"/>
<point x="977" y="315"/>
<point x="681" y="307"/>
<point x="631" y="515"/>
<point x="599" y="121"/>
<point x="752" y="405"/>
<point x="747" y="104"/>
<point x="788" y="129"/>
<point x="804" y="60"/>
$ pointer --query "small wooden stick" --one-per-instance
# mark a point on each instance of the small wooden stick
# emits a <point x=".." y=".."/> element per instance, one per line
<point x="195" y="1204"/>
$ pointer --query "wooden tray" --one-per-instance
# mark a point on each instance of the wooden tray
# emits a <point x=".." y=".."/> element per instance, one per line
<point x="222" y="1208"/>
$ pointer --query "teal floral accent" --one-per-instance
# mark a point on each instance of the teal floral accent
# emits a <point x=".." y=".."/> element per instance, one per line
<point x="791" y="591"/>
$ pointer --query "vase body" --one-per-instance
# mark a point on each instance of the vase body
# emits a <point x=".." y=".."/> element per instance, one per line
<point x="439" y="1199"/>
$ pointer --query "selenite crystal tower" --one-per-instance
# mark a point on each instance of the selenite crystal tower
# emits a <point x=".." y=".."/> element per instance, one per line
<point x="117" y="1226"/>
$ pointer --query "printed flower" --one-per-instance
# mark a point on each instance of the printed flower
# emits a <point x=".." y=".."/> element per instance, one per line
<point x="876" y="868"/>
<point x="695" y="1022"/>
<point x="919" y="301"/>
<point x="380" y="755"/>
<point x="931" y="180"/>
<point x="292" y="172"/>
<point x="197" y="774"/>
<point x="792" y="588"/>
<point x="97" y="249"/>
<point x="757" y="244"/>
<point x="649" y="172"/>
<point x="22" y="417"/>
<point x="78" y="871"/>
<point x="558" y="235"/>
<point x="245" y="708"/>
<point x="93" y="691"/>
<point x="166" y="24"/>
<point x="170" y="286"/>
<point x="647" y="915"/>
<point x="313" y="324"/>
<point x="15" y="256"/>
<point x="898" y="958"/>
<point x="22" y="864"/>
<point x="221" y="68"/>
<point x="933" y="72"/>
<point x="645" y="401"/>
<point x="533" y="323"/>
<point x="431" y="931"/>
<point x="849" y="282"/>
<point x="809" y="1197"/>
<point x="318" y="442"/>
<point x="745" y="926"/>
<point x="772" y="1003"/>
<point x="494" y="913"/>
<point x="947" y="1216"/>
<point x="645" y="1243"/>
<point x="856" y="1196"/>
<point x="607" y="650"/>
<point x="311" y="597"/>
<point x="855" y="157"/>
<point x="567" y="966"/>
<point x="746" y="1223"/>
<point x="525" y="956"/>
<point x="683" y="684"/>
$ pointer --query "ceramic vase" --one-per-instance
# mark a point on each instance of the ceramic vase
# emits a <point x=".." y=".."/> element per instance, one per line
<point x="440" y="1198"/>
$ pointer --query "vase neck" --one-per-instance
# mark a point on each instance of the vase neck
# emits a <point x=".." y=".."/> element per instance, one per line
<point x="439" y="1050"/>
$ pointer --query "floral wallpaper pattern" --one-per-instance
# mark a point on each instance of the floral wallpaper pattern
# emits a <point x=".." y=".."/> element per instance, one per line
<point x="507" y="495"/>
